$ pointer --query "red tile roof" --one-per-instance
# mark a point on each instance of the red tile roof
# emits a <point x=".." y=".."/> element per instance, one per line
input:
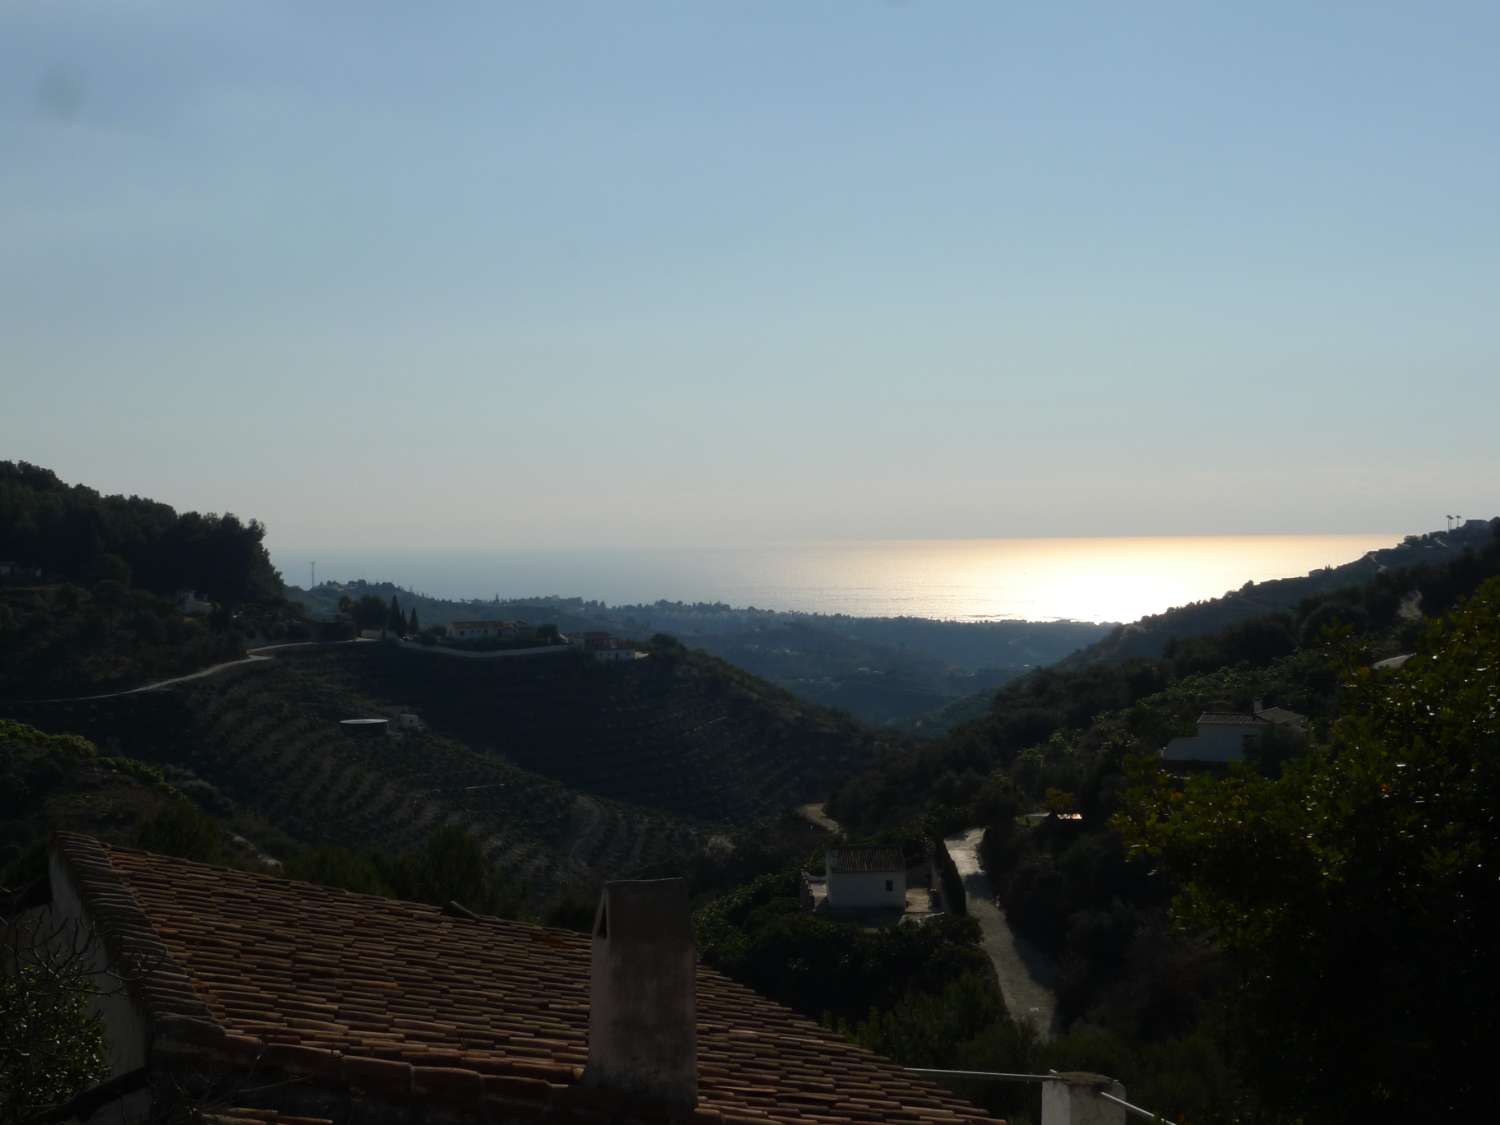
<point x="375" y="994"/>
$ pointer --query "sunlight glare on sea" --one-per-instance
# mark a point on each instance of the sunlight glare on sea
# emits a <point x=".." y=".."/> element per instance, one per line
<point x="962" y="579"/>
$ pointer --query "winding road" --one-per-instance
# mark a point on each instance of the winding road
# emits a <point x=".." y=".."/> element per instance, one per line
<point x="1027" y="976"/>
<point x="252" y="656"/>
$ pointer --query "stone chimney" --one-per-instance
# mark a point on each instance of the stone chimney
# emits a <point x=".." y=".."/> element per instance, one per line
<point x="643" y="1034"/>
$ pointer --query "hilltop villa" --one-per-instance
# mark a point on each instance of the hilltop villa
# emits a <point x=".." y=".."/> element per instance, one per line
<point x="1223" y="736"/>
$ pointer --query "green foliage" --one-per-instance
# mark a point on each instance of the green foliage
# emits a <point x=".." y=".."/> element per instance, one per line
<point x="1356" y="892"/>
<point x="335" y="866"/>
<point x="181" y="830"/>
<point x="51" y="1046"/>
<point x="369" y="612"/>
<point x="452" y="867"/>
<point x="760" y="935"/>
<point x="77" y="534"/>
<point x="449" y="866"/>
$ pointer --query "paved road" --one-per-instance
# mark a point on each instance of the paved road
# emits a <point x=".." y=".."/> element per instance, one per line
<point x="252" y="656"/>
<point x="1026" y="974"/>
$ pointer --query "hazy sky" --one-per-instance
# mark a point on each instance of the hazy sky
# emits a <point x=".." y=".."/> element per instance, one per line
<point x="493" y="275"/>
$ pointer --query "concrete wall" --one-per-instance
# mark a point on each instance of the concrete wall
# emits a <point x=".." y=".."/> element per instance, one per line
<point x="1217" y="743"/>
<point x="124" y="1027"/>
<point x="866" y="889"/>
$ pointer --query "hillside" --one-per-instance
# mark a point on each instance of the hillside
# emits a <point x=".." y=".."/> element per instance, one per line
<point x="567" y="770"/>
<point x="99" y="592"/>
<point x="682" y="731"/>
<point x="1150" y="636"/>
<point x="1385" y="611"/>
<point x="51" y="781"/>
<point x="882" y="670"/>
<point x="1177" y="632"/>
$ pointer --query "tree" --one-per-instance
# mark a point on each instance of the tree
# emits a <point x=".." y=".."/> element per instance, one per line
<point x="1356" y="893"/>
<point x="395" y="620"/>
<point x="412" y="626"/>
<point x="51" y="1044"/>
<point x="182" y="830"/>
<point x="369" y="612"/>
<point x="452" y="867"/>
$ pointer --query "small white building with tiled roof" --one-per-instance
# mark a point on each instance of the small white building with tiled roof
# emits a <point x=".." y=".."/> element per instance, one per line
<point x="1223" y="736"/>
<point x="867" y="877"/>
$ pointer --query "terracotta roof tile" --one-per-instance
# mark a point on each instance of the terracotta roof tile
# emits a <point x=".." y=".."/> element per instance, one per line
<point x="864" y="859"/>
<point x="400" y="996"/>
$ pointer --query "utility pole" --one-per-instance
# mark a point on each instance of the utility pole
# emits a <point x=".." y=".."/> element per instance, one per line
<point x="312" y="569"/>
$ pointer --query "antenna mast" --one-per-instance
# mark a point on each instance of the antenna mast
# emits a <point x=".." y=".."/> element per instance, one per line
<point x="312" y="579"/>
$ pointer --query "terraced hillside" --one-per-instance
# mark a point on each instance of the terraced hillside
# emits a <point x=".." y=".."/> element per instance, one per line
<point x="681" y="732"/>
<point x="266" y="737"/>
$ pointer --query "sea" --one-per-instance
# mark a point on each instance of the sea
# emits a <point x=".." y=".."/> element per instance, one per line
<point x="1080" y="579"/>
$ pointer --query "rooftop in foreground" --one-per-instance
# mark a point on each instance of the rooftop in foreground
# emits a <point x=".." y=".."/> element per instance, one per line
<point x="401" y="1004"/>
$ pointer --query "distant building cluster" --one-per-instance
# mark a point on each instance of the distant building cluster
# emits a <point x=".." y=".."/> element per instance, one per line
<point x="486" y="630"/>
<point x="604" y="646"/>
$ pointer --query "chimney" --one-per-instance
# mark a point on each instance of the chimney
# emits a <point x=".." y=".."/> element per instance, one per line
<point x="643" y="1035"/>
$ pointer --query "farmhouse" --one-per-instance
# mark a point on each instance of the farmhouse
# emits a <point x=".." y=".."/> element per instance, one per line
<point x="1223" y="736"/>
<point x="863" y="878"/>
<point x="270" y="1000"/>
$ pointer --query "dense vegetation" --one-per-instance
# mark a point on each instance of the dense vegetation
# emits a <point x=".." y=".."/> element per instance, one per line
<point x="89" y="593"/>
<point x="1355" y="892"/>
<point x="1320" y="919"/>
<point x="52" y="781"/>
<point x="261" y="748"/>
<point x="74" y="533"/>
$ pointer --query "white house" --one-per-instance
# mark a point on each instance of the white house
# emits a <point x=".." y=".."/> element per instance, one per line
<point x="1223" y="735"/>
<point x="860" y="878"/>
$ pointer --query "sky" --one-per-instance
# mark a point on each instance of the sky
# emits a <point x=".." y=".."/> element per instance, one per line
<point x="491" y="276"/>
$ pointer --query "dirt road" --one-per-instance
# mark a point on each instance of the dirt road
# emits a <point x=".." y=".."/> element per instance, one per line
<point x="814" y="814"/>
<point x="252" y="656"/>
<point x="1026" y="974"/>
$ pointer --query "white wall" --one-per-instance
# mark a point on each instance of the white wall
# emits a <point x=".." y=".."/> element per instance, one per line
<point x="124" y="1028"/>
<point x="1220" y="742"/>
<point x="867" y="889"/>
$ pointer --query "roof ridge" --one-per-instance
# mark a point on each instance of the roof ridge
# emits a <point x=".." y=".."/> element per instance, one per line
<point x="151" y="975"/>
<point x="328" y="888"/>
<point x="353" y="980"/>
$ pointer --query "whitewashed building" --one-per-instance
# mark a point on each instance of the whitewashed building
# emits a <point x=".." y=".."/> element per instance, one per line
<point x="865" y="877"/>
<point x="1223" y="736"/>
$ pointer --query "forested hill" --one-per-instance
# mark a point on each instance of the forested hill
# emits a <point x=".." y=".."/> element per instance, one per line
<point x="74" y="534"/>
<point x="1387" y="613"/>
<point x="89" y="587"/>
<point x="568" y="769"/>
<point x="1151" y="636"/>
